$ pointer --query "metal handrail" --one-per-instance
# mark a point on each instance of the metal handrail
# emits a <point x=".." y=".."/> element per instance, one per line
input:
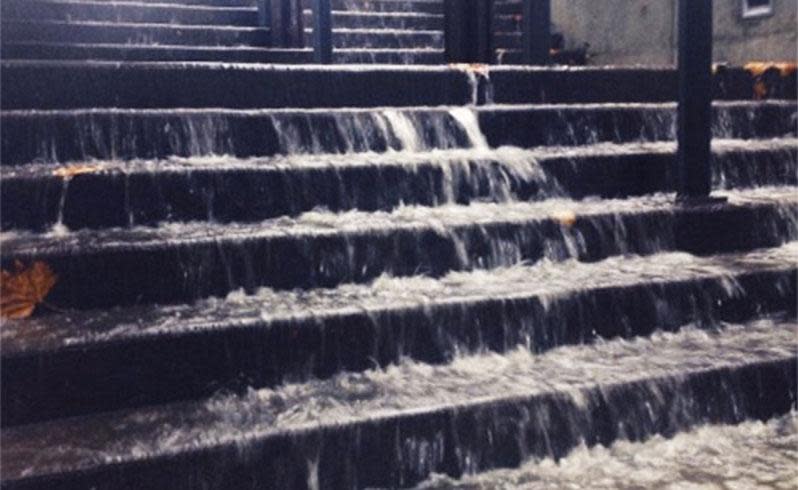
<point x="285" y="21"/>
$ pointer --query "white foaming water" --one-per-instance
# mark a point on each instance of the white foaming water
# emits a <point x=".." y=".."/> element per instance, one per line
<point x="443" y="219"/>
<point x="106" y="133"/>
<point x="751" y="455"/>
<point x="646" y="366"/>
<point x="548" y="281"/>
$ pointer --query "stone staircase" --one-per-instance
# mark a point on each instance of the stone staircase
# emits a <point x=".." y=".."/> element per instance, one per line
<point x="364" y="31"/>
<point x="363" y="277"/>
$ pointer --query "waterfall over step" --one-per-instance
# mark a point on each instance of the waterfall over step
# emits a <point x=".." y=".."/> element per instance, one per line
<point x="310" y="277"/>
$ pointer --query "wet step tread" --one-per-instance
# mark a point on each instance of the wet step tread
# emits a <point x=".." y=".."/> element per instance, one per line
<point x="128" y="12"/>
<point x="228" y="54"/>
<point x="131" y="32"/>
<point x="32" y="84"/>
<point x="23" y="245"/>
<point x="150" y="52"/>
<point x="149" y="355"/>
<point x="94" y="134"/>
<point x="549" y="280"/>
<point x="187" y="261"/>
<point x="473" y="408"/>
<point x="121" y="193"/>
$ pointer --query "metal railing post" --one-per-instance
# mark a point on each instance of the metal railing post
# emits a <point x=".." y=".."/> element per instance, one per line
<point x="285" y="22"/>
<point x="322" y="32"/>
<point x="536" y="27"/>
<point x="694" y="180"/>
<point x="469" y="31"/>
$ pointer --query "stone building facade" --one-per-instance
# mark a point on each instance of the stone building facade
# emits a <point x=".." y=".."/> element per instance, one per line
<point x="645" y="31"/>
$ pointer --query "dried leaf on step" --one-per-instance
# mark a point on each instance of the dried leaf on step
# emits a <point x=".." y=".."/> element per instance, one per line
<point x="23" y="288"/>
<point x="72" y="170"/>
<point x="565" y="217"/>
<point x="479" y="68"/>
<point x="760" y="90"/>
<point x="758" y="68"/>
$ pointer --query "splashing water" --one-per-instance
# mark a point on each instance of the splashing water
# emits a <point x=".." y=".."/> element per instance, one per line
<point x="749" y="455"/>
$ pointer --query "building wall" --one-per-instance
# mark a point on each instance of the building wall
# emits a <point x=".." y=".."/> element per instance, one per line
<point x="644" y="31"/>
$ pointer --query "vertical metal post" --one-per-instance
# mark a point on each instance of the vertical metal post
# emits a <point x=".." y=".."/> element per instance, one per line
<point x="469" y="31"/>
<point x="536" y="23"/>
<point x="322" y="32"/>
<point x="286" y="25"/>
<point x="695" y="99"/>
<point x="265" y="13"/>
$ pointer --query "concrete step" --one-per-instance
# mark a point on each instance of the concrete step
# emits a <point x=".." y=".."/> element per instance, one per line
<point x="508" y="7"/>
<point x="704" y="456"/>
<point x="126" y="12"/>
<point x="114" y="134"/>
<point x="383" y="38"/>
<point x="394" y="6"/>
<point x="411" y="56"/>
<point x="227" y="54"/>
<point x="481" y="412"/>
<point x="225" y="189"/>
<point x="86" y="362"/>
<point x="148" y="52"/>
<point x="183" y="262"/>
<point x="131" y="33"/>
<point x="72" y="84"/>
<point x="346" y="19"/>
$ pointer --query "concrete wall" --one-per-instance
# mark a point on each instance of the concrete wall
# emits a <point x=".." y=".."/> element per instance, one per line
<point x="644" y="31"/>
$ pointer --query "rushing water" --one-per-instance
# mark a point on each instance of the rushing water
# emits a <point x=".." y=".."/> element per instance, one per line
<point x="456" y="271"/>
<point x="548" y="281"/>
<point x="108" y="134"/>
<point x="716" y="457"/>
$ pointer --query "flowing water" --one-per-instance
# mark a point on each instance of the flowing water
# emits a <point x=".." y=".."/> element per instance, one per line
<point x="647" y="373"/>
<point x="707" y="458"/>
<point x="497" y="247"/>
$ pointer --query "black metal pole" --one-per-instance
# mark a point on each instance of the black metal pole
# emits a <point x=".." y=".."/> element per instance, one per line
<point x="285" y="19"/>
<point x="536" y="27"/>
<point x="695" y="100"/>
<point x="322" y="32"/>
<point x="468" y="27"/>
<point x="265" y="13"/>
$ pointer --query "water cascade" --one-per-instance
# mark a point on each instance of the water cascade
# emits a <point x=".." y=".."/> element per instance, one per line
<point x="468" y="285"/>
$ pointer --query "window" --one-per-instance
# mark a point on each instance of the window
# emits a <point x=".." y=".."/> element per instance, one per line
<point x="757" y="8"/>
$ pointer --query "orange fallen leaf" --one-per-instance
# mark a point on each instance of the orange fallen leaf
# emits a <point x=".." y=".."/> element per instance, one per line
<point x="479" y="68"/>
<point x="72" y="170"/>
<point x="760" y="90"/>
<point x="758" y="68"/>
<point x="565" y="217"/>
<point x="24" y="288"/>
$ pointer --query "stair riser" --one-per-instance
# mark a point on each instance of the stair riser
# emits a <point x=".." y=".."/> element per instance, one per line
<point x="421" y="7"/>
<point x="40" y="51"/>
<point x="131" y="34"/>
<point x="507" y="23"/>
<point x="113" y="135"/>
<point x="572" y="125"/>
<point x="174" y="269"/>
<point x="54" y="51"/>
<point x="393" y="57"/>
<point x="453" y="441"/>
<point x="104" y="12"/>
<point x="379" y="39"/>
<point x="120" y="199"/>
<point x="65" y="86"/>
<point x="519" y="86"/>
<point x="507" y="8"/>
<point x="356" y="20"/>
<point x="164" y="86"/>
<point x="160" y="369"/>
